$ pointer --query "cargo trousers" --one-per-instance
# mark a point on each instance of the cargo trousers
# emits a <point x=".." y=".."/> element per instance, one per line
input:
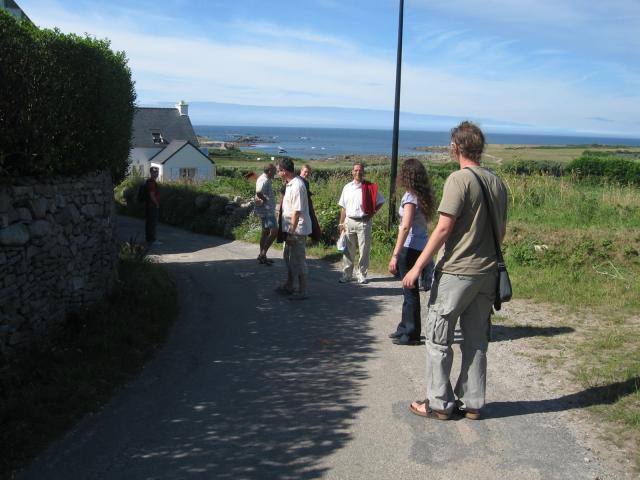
<point x="468" y="298"/>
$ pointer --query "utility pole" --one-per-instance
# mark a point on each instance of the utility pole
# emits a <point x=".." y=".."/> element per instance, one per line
<point x="396" y="126"/>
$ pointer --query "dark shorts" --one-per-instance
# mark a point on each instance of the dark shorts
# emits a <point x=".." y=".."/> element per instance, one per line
<point x="268" y="221"/>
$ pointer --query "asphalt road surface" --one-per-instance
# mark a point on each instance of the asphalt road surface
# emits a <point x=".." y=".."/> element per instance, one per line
<point x="253" y="385"/>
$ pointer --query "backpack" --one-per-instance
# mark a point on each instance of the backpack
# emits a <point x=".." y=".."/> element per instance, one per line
<point x="141" y="196"/>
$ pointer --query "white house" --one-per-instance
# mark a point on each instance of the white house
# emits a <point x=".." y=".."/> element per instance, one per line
<point x="164" y="137"/>
<point x="14" y="9"/>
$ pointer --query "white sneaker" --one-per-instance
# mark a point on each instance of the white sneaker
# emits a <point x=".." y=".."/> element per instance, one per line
<point x="362" y="280"/>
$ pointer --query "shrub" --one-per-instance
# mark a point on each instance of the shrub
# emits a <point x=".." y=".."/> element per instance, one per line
<point x="179" y="206"/>
<point x="532" y="167"/>
<point x="606" y="166"/>
<point x="67" y="103"/>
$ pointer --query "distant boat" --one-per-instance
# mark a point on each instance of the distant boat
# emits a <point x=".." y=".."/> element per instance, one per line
<point x="281" y="150"/>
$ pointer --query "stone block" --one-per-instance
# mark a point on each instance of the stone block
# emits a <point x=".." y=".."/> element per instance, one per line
<point x="40" y="228"/>
<point x="4" y="220"/>
<point x="14" y="235"/>
<point x="22" y="191"/>
<point x="44" y="190"/>
<point x="91" y="210"/>
<point x="39" y="207"/>
<point x="5" y="202"/>
<point x="24" y="214"/>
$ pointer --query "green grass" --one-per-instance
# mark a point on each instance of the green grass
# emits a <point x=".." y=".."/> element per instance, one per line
<point x="47" y="390"/>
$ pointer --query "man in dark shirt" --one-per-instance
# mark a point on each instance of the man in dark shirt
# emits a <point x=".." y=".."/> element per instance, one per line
<point x="152" y="205"/>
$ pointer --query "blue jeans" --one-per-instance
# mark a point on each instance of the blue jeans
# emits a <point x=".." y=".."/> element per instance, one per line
<point x="410" y="326"/>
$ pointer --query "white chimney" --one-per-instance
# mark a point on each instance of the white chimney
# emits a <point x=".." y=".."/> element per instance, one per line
<point x="183" y="107"/>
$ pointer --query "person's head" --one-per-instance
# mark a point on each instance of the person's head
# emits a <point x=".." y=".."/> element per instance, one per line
<point x="467" y="140"/>
<point x="270" y="170"/>
<point x="305" y="171"/>
<point x="153" y="172"/>
<point x="358" y="172"/>
<point x="414" y="178"/>
<point x="286" y="168"/>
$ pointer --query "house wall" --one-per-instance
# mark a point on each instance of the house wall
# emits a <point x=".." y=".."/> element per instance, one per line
<point x="188" y="157"/>
<point x="139" y="160"/>
<point x="58" y="253"/>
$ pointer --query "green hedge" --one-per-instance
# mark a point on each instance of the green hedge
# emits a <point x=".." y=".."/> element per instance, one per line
<point x="66" y="103"/>
<point x="605" y="166"/>
<point x="199" y="207"/>
<point x="534" y="167"/>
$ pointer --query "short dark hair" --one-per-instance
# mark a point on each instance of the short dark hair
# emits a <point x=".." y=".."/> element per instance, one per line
<point x="269" y="167"/>
<point x="154" y="169"/>
<point x="469" y="139"/>
<point x="286" y="164"/>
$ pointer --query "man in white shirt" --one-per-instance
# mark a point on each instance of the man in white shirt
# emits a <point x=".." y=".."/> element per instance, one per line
<point x="265" y="209"/>
<point x="296" y="224"/>
<point x="359" y="202"/>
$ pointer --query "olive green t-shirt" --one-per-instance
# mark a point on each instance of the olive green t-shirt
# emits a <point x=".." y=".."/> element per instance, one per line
<point x="470" y="248"/>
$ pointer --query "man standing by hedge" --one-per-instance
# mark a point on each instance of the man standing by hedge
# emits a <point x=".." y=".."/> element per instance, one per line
<point x="152" y="206"/>
<point x="266" y="211"/>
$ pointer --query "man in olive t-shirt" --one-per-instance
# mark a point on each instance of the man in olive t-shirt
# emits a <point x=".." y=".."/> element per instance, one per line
<point x="465" y="283"/>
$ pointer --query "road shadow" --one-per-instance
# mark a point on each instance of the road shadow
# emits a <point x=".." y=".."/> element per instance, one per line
<point x="601" y="395"/>
<point x="501" y="333"/>
<point x="271" y="387"/>
<point x="171" y="240"/>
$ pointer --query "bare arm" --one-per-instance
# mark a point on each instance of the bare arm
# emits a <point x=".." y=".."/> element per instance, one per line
<point x="408" y="212"/>
<point x="343" y="216"/>
<point x="294" y="222"/>
<point x="438" y="237"/>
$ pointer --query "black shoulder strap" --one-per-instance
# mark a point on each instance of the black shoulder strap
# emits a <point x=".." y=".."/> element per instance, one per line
<point x="491" y="215"/>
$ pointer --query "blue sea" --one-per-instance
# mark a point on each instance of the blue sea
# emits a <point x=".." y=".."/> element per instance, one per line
<point x="327" y="143"/>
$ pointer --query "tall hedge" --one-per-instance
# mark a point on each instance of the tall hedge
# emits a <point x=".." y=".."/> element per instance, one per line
<point x="66" y="103"/>
<point x="606" y="166"/>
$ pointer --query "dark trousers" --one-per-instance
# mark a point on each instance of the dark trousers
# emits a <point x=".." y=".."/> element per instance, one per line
<point x="150" y="223"/>
<point x="410" y="325"/>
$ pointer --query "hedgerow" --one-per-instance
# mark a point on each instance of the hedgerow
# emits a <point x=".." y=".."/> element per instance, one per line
<point x="66" y="103"/>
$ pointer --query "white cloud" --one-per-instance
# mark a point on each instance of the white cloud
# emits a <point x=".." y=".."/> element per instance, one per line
<point x="473" y="75"/>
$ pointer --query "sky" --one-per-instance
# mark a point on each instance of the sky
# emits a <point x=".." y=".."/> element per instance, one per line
<point x="569" y="66"/>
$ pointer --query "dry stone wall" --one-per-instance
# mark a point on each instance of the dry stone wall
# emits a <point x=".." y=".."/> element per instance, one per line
<point x="58" y="253"/>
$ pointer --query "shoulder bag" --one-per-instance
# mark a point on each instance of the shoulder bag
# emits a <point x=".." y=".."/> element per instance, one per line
<point x="503" y="287"/>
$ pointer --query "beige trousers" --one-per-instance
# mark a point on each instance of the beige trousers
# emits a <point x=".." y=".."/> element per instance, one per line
<point x="470" y="299"/>
<point x="358" y="234"/>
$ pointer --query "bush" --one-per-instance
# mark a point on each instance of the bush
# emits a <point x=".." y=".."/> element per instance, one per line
<point x="191" y="206"/>
<point x="67" y="103"/>
<point x="533" y="167"/>
<point x="606" y="166"/>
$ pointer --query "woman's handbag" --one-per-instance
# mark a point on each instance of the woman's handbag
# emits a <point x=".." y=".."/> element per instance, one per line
<point x="503" y="286"/>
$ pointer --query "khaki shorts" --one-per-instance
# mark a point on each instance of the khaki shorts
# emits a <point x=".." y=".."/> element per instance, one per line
<point x="295" y="254"/>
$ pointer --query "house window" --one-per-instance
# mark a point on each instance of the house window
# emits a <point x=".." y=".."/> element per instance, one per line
<point x="157" y="137"/>
<point x="187" y="174"/>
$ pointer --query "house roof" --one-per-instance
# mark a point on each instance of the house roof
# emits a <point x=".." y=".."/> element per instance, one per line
<point x="174" y="147"/>
<point x="167" y="121"/>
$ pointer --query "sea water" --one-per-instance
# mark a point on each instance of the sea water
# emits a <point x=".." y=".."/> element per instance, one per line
<point x="327" y="143"/>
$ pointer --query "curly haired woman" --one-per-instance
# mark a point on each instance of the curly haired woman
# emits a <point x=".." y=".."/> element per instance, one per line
<point x="416" y="209"/>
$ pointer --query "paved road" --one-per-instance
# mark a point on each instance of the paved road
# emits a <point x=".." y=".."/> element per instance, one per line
<point x="251" y="385"/>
